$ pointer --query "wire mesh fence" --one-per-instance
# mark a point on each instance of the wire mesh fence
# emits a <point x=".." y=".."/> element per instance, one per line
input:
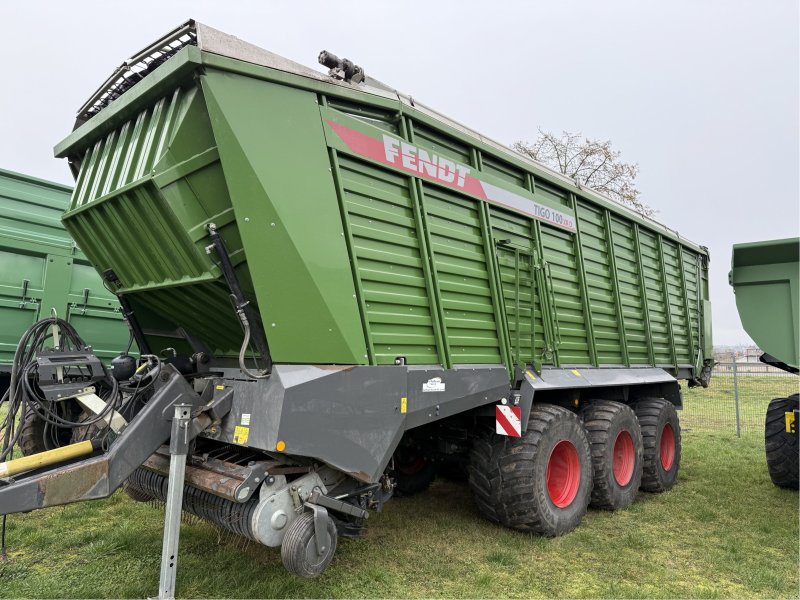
<point x="737" y="398"/>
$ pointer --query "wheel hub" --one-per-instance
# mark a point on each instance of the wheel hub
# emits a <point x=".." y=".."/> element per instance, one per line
<point x="563" y="474"/>
<point x="624" y="458"/>
<point x="667" y="447"/>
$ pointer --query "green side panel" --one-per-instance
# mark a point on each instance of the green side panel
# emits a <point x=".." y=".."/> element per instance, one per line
<point x="462" y="273"/>
<point x="41" y="269"/>
<point x="516" y="250"/>
<point x="765" y="278"/>
<point x="708" y="344"/>
<point x="19" y="308"/>
<point x="278" y="172"/>
<point x="655" y="295"/>
<point x="599" y="284"/>
<point x="387" y="251"/>
<point x="691" y="274"/>
<point x="561" y="267"/>
<point x="629" y="282"/>
<point x="677" y="304"/>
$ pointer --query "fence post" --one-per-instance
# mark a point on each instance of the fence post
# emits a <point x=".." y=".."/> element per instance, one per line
<point x="736" y="399"/>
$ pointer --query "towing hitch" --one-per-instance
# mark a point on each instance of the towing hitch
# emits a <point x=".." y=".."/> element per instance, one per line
<point x="101" y="475"/>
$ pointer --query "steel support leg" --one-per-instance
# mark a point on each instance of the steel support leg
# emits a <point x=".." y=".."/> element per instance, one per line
<point x="178" y="448"/>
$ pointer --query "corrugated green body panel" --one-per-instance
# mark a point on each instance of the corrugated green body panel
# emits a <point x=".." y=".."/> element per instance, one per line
<point x="386" y="248"/>
<point x="766" y="279"/>
<point x="365" y="231"/>
<point x="42" y="269"/>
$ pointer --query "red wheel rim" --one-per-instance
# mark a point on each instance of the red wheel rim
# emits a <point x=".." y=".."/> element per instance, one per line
<point x="667" y="447"/>
<point x="563" y="474"/>
<point x="624" y="458"/>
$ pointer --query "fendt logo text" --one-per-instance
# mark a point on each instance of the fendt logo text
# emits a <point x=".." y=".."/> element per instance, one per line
<point x="416" y="159"/>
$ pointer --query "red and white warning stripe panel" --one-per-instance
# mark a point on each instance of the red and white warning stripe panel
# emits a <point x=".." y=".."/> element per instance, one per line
<point x="508" y="420"/>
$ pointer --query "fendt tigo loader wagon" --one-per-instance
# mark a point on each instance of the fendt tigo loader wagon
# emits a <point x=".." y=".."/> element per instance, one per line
<point x="766" y="280"/>
<point x="334" y="289"/>
<point x="43" y="272"/>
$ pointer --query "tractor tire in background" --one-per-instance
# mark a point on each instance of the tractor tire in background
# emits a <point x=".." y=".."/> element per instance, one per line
<point x="35" y="438"/>
<point x="783" y="461"/>
<point x="661" y="435"/>
<point x="540" y="482"/>
<point x="615" y="438"/>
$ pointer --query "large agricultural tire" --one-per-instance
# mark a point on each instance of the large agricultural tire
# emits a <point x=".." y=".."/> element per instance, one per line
<point x="540" y="482"/>
<point x="299" y="547"/>
<point x="35" y="438"/>
<point x="783" y="453"/>
<point x="32" y="440"/>
<point x="661" y="434"/>
<point x="413" y="473"/>
<point x="615" y="438"/>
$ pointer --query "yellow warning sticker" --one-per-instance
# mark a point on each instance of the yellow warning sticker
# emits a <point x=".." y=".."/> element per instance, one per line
<point x="219" y="387"/>
<point x="530" y="374"/>
<point x="576" y="372"/>
<point x="404" y="405"/>
<point x="240" y="434"/>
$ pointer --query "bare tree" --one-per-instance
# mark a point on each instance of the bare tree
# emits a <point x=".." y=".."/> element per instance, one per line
<point x="592" y="163"/>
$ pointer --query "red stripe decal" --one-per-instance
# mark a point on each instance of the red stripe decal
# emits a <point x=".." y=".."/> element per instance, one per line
<point x="399" y="154"/>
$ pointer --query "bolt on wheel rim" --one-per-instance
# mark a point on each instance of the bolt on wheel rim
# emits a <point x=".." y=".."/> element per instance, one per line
<point x="563" y="474"/>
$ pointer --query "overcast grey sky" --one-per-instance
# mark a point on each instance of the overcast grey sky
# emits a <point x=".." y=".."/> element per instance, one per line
<point x="702" y="94"/>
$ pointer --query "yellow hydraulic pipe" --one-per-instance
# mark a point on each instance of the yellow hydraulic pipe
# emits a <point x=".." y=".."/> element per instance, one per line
<point x="45" y="459"/>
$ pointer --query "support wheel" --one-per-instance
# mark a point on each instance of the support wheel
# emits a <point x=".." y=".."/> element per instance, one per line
<point x="661" y="434"/>
<point x="615" y="439"/>
<point x="299" y="547"/>
<point x="540" y="482"/>
<point x="782" y="446"/>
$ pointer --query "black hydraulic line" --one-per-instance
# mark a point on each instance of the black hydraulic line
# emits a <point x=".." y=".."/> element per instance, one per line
<point x="243" y="307"/>
<point x="133" y="323"/>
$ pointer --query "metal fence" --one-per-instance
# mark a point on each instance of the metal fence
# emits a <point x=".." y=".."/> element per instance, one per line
<point x="736" y="400"/>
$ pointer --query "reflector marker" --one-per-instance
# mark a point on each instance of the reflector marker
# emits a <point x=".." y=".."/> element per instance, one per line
<point x="508" y="420"/>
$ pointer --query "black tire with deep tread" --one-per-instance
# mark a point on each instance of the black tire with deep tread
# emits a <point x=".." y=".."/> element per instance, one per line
<point x="413" y="473"/>
<point x="295" y="542"/>
<point x="31" y="439"/>
<point x="653" y="415"/>
<point x="508" y="475"/>
<point x="604" y="420"/>
<point x="783" y="454"/>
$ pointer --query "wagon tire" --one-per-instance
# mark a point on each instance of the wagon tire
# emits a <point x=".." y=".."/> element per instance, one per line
<point x="413" y="472"/>
<point x="615" y="439"/>
<point x="540" y="482"/>
<point x="661" y="435"/>
<point x="781" y="446"/>
<point x="299" y="551"/>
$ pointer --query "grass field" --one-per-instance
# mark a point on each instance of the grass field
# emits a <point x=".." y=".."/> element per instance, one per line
<point x="714" y="408"/>
<point x="723" y="531"/>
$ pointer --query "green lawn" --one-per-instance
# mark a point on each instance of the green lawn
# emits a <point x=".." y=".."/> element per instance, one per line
<point x="714" y="408"/>
<point x="724" y="531"/>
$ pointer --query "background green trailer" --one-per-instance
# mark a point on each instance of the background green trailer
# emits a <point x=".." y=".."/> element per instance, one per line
<point x="42" y="269"/>
<point x="766" y="280"/>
